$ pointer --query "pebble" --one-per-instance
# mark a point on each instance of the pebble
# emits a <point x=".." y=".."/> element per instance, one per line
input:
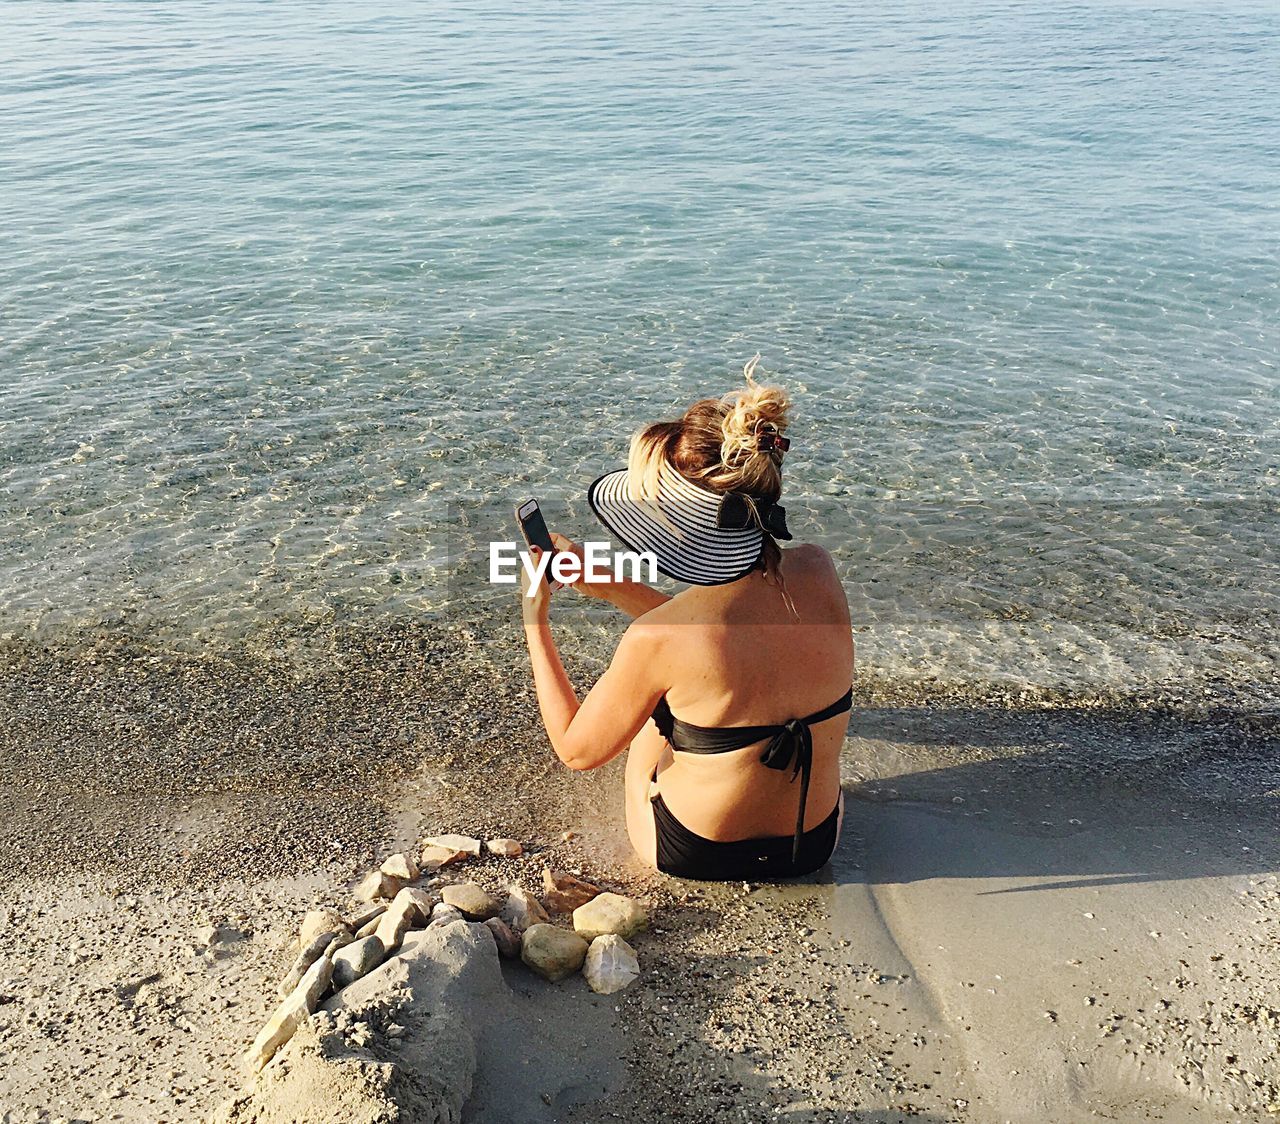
<point x="610" y="964"/>
<point x="522" y="909"/>
<point x="507" y="940"/>
<point x="402" y="866"/>
<point x="375" y="885"/>
<point x="470" y="900"/>
<point x="609" y="913"/>
<point x="506" y="848"/>
<point x="552" y="952"/>
<point x="563" y="893"/>
<point x="305" y="959"/>
<point x="356" y="960"/>
<point x="319" y="921"/>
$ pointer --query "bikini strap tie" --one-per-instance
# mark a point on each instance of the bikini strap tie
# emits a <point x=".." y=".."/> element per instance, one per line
<point x="792" y="747"/>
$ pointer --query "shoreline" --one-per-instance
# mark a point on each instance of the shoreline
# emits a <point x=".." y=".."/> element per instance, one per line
<point x="147" y="802"/>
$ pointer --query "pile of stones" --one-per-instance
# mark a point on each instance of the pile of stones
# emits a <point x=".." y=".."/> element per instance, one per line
<point x="408" y="891"/>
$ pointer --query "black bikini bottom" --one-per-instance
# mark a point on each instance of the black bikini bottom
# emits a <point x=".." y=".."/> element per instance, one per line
<point x="687" y="855"/>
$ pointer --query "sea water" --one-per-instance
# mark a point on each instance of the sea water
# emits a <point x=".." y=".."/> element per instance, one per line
<point x="287" y="289"/>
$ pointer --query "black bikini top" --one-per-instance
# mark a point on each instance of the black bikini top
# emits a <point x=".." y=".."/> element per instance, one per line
<point x="790" y="745"/>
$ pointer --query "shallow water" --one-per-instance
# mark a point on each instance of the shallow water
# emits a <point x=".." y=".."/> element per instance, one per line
<point x="288" y="288"/>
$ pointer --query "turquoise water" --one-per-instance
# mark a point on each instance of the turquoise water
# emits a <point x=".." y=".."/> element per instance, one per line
<point x="282" y="283"/>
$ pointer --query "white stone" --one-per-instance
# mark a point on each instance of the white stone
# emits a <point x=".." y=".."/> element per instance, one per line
<point x="433" y="858"/>
<point x="361" y="919"/>
<point x="610" y="965"/>
<point x="424" y="902"/>
<point x="305" y="959"/>
<point x="444" y="914"/>
<point x="371" y="925"/>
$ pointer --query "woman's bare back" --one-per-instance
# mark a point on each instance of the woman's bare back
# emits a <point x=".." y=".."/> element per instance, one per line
<point x="741" y="658"/>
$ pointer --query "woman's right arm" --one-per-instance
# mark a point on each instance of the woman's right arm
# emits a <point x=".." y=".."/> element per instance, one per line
<point x="630" y="597"/>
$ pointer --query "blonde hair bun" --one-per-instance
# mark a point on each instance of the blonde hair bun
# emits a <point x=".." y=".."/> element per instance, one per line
<point x="716" y="443"/>
<point x="748" y="412"/>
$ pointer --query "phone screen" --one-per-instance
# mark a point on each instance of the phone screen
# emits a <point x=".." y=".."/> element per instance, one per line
<point x="534" y="526"/>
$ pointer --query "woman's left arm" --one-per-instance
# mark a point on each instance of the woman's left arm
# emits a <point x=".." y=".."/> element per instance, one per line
<point x="586" y="735"/>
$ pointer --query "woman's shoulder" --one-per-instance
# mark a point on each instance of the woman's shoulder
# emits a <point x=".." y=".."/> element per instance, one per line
<point x="812" y="571"/>
<point x="810" y="554"/>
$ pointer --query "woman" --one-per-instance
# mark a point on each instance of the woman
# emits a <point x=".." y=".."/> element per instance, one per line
<point x="755" y="657"/>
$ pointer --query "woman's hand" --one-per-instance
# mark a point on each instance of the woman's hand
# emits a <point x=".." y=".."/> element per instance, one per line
<point x="568" y="546"/>
<point x="536" y="606"/>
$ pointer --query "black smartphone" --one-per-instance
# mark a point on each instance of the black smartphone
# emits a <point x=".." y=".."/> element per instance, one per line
<point x="534" y="529"/>
<point x="533" y="526"/>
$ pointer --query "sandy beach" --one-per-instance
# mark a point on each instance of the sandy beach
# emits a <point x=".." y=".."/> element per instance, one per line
<point x="303" y="301"/>
<point x="1052" y="911"/>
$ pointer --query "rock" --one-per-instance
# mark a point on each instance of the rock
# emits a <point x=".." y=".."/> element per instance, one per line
<point x="399" y="1044"/>
<point x="424" y="902"/>
<point x="375" y="885"/>
<point x="440" y="850"/>
<point x="563" y="893"/>
<point x="343" y="939"/>
<point x="357" y="959"/>
<point x="552" y="952"/>
<point x="361" y="919"/>
<point x="522" y="909"/>
<point x="291" y="1013"/>
<point x="217" y="942"/>
<point x="609" y="913"/>
<point x="393" y="924"/>
<point x="370" y="926"/>
<point x="443" y="914"/>
<point x="504" y="937"/>
<point x="401" y="866"/>
<point x="219" y="934"/>
<point x="459" y="844"/>
<point x="611" y="964"/>
<point x="305" y="959"/>
<point x="433" y="858"/>
<point x="319" y="921"/>
<point x="507" y="848"/>
<point x="470" y="900"/>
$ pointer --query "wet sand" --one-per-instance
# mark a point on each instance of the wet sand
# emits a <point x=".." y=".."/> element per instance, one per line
<point x="1041" y="909"/>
